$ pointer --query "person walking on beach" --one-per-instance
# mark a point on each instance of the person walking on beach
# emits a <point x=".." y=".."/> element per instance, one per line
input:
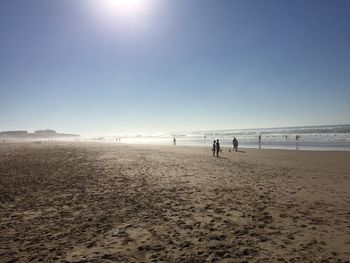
<point x="214" y="147"/>
<point x="174" y="141"/>
<point x="259" y="141"/>
<point x="217" y="147"/>
<point x="235" y="144"/>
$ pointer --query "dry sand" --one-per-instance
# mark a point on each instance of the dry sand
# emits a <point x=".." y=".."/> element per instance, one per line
<point x="118" y="203"/>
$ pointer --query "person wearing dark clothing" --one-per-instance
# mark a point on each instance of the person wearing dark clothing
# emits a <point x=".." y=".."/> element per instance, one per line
<point x="235" y="144"/>
<point x="214" y="148"/>
<point x="217" y="147"/>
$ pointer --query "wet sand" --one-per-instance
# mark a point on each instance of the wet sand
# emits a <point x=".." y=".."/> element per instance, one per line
<point x="81" y="202"/>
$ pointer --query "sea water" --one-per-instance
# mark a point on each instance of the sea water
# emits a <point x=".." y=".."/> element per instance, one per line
<point x="335" y="137"/>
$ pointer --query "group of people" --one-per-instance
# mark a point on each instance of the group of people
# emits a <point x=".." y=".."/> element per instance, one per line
<point x="216" y="146"/>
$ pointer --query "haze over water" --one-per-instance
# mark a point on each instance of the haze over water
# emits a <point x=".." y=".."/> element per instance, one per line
<point x="310" y="138"/>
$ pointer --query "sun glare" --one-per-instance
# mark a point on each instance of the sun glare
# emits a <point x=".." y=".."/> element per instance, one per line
<point x="125" y="7"/>
<point x="123" y="16"/>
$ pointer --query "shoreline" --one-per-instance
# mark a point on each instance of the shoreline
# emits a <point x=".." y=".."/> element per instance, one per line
<point x="311" y="148"/>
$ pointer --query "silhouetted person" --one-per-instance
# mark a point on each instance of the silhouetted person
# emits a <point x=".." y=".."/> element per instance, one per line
<point x="259" y="141"/>
<point x="214" y="147"/>
<point x="235" y="144"/>
<point x="174" y="141"/>
<point x="217" y="147"/>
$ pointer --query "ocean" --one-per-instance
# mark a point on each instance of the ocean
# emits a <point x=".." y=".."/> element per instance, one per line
<point x="327" y="137"/>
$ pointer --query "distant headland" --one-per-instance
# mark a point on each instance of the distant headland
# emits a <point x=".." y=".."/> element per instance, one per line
<point x="35" y="135"/>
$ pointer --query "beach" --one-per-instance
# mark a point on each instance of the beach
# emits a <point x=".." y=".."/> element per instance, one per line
<point x="104" y="202"/>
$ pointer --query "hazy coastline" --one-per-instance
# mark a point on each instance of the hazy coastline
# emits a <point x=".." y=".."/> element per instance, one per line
<point x="314" y="138"/>
<point x="318" y="138"/>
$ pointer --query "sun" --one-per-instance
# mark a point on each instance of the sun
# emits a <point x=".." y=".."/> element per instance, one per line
<point x="130" y="5"/>
<point x="125" y="7"/>
<point x="123" y="15"/>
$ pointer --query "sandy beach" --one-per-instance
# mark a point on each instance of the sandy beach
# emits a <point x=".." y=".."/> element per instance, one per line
<point x="62" y="202"/>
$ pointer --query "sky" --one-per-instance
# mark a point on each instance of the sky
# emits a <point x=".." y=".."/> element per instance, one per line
<point x="112" y="66"/>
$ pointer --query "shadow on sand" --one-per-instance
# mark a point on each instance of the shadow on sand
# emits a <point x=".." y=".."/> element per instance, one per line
<point x="221" y="157"/>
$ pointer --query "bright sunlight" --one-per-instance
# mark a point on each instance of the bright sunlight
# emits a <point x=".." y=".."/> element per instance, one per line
<point x="130" y="8"/>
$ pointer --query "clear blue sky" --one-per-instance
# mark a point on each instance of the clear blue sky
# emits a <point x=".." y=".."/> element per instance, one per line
<point x="78" y="66"/>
